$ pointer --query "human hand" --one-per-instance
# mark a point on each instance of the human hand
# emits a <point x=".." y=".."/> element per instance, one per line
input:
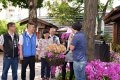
<point x="21" y="57"/>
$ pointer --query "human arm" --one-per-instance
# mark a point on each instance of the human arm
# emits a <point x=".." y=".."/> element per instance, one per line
<point x="39" y="48"/>
<point x="73" y="43"/>
<point x="1" y="42"/>
<point x="69" y="41"/>
<point x="20" y="46"/>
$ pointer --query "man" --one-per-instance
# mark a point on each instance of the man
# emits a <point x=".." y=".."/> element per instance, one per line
<point x="28" y="43"/>
<point x="53" y="36"/>
<point x="56" y="40"/>
<point x="78" y="46"/>
<point x="9" y="45"/>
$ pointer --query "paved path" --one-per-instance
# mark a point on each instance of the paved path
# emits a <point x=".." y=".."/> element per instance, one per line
<point x="37" y="70"/>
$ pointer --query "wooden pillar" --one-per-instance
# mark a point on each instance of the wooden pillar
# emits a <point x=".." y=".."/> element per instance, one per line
<point x="115" y="33"/>
<point x="118" y="33"/>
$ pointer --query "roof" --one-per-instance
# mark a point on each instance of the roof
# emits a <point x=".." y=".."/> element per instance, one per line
<point x="113" y="16"/>
<point x="25" y="21"/>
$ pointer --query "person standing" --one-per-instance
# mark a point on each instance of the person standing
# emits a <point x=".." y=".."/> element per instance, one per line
<point x="78" y="46"/>
<point x="28" y="43"/>
<point x="55" y="38"/>
<point x="42" y="45"/>
<point x="9" y="45"/>
<point x="68" y="59"/>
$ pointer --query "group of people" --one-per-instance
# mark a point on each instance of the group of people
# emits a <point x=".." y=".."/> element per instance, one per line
<point x="26" y="47"/>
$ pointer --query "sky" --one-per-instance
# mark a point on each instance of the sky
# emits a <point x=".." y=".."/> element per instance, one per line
<point x="115" y="3"/>
<point x="43" y="12"/>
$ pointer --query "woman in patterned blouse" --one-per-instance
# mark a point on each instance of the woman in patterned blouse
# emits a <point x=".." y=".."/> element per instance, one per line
<point x="43" y="43"/>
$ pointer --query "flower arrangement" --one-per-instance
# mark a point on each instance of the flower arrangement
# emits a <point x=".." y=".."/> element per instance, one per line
<point x="56" y="49"/>
<point x="97" y="70"/>
<point x="115" y="57"/>
<point x="65" y="36"/>
<point x="55" y="54"/>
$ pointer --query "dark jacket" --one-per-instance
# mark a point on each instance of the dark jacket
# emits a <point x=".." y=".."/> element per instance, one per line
<point x="10" y="46"/>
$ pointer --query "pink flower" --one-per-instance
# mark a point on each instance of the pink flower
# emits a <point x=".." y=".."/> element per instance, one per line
<point x="49" y="55"/>
<point x="97" y="70"/>
<point x="53" y="70"/>
<point x="61" y="55"/>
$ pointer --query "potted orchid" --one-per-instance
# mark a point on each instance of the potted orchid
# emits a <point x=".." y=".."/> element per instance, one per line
<point x="55" y="54"/>
<point x="97" y="70"/>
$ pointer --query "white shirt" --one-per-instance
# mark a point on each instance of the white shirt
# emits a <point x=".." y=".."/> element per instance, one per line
<point x="2" y="38"/>
<point x="21" y="39"/>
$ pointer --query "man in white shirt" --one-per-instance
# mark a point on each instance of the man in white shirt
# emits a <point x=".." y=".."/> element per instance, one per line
<point x="28" y="45"/>
<point x="9" y="45"/>
<point x="55" y="38"/>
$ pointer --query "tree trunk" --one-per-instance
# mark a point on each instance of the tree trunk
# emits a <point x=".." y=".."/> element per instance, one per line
<point x="33" y="12"/>
<point x="90" y="14"/>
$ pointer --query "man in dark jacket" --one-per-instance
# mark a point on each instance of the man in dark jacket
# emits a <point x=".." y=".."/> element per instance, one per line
<point x="9" y="45"/>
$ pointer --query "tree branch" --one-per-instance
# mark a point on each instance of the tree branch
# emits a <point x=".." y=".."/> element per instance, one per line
<point x="105" y="8"/>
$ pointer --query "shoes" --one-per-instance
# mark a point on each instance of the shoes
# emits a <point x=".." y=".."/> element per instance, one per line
<point x="52" y="79"/>
<point x="43" y="78"/>
<point x="47" y="78"/>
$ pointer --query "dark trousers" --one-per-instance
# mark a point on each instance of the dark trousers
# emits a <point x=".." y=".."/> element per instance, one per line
<point x="45" y="68"/>
<point x="7" y="62"/>
<point x="31" y="62"/>
<point x="64" y="71"/>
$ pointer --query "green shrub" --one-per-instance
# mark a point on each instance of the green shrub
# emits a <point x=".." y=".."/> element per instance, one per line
<point x="115" y="47"/>
<point x="67" y="76"/>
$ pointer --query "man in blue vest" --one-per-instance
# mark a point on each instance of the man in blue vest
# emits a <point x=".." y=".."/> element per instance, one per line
<point x="28" y="44"/>
<point x="9" y="45"/>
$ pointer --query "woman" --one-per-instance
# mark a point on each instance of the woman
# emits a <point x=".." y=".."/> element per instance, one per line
<point x="43" y="43"/>
<point x="78" y="46"/>
<point x="68" y="58"/>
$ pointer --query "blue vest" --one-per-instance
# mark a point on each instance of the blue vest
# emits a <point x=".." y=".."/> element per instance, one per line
<point x="29" y="45"/>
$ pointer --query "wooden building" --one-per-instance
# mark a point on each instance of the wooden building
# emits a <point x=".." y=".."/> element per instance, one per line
<point x="114" y="18"/>
<point x="41" y="25"/>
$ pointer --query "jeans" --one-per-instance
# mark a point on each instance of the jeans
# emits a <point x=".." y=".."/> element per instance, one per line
<point x="45" y="68"/>
<point x="7" y="62"/>
<point x="31" y="62"/>
<point x="79" y="70"/>
<point x="64" y="71"/>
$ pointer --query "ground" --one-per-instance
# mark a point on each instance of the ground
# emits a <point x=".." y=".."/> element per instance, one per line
<point x="37" y="70"/>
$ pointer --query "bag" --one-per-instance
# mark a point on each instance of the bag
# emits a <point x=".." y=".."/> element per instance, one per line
<point x="69" y="56"/>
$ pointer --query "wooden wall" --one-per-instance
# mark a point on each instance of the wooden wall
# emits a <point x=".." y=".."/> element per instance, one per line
<point x="116" y="33"/>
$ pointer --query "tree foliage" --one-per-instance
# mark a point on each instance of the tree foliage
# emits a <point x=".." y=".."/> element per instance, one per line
<point x="20" y="3"/>
<point x="102" y="8"/>
<point x="3" y="27"/>
<point x="64" y="12"/>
